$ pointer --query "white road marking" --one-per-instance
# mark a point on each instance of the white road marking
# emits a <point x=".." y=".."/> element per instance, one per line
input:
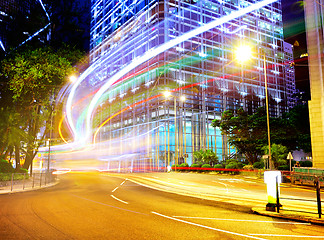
<point x="224" y="185"/>
<point x="104" y="204"/>
<point x="296" y="236"/>
<point x="115" y="189"/>
<point x="234" y="190"/>
<point x="123" y="182"/>
<point x="242" y="220"/>
<point x="211" y="228"/>
<point x="118" y="199"/>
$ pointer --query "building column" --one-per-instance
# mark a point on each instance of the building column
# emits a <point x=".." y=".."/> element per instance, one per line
<point x="315" y="44"/>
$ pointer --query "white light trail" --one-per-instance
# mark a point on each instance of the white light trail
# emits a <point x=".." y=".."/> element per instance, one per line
<point x="147" y="56"/>
<point x="41" y="3"/>
<point x="35" y="34"/>
<point x="2" y="46"/>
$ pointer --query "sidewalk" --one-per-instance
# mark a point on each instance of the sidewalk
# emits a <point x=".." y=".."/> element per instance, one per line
<point x="26" y="186"/>
<point x="291" y="214"/>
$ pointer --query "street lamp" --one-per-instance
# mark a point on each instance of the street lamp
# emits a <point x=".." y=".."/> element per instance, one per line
<point x="73" y="78"/>
<point x="168" y="94"/>
<point x="242" y="54"/>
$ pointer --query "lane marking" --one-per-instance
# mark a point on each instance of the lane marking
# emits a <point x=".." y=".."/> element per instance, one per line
<point x="210" y="228"/>
<point x="224" y="185"/>
<point x="118" y="199"/>
<point x="242" y="220"/>
<point x="297" y="236"/>
<point x="123" y="182"/>
<point x="234" y="190"/>
<point x="107" y="205"/>
<point x="115" y="189"/>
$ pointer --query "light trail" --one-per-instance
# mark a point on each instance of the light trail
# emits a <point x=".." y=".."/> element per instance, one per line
<point x="147" y="56"/>
<point x="48" y="17"/>
<point x="154" y="52"/>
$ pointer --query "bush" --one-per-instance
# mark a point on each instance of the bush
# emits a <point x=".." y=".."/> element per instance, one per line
<point x="233" y="164"/>
<point x="6" y="167"/>
<point x="306" y="164"/>
<point x="219" y="166"/>
<point x="283" y="167"/>
<point x="258" y="165"/>
<point x="173" y="166"/>
<point x="195" y="165"/>
<point x="248" y="167"/>
<point x="206" y="166"/>
<point x="23" y="170"/>
<point x="184" y="165"/>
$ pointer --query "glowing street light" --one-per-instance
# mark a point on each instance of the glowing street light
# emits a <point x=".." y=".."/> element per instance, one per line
<point x="242" y="54"/>
<point x="73" y="78"/>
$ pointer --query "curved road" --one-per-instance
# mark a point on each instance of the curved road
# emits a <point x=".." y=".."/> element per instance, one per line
<point x="99" y="206"/>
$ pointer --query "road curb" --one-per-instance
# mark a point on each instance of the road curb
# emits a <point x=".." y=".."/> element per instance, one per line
<point x="288" y="214"/>
<point x="5" y="191"/>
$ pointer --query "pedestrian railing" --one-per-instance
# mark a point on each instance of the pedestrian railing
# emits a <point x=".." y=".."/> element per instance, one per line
<point x="22" y="181"/>
<point x="317" y="185"/>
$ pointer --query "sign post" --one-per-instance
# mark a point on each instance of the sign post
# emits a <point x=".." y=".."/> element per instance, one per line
<point x="290" y="157"/>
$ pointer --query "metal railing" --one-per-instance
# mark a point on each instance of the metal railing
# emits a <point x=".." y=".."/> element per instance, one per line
<point x="22" y="181"/>
<point x="317" y="185"/>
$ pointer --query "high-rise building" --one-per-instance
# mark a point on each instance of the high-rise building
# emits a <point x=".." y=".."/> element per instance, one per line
<point x="314" y="13"/>
<point x="142" y="48"/>
<point x="19" y="21"/>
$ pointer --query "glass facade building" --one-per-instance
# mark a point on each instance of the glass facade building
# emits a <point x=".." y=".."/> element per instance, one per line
<point x="139" y="50"/>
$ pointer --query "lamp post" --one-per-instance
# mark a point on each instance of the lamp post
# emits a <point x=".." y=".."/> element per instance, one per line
<point x="267" y="108"/>
<point x="168" y="94"/>
<point x="242" y="54"/>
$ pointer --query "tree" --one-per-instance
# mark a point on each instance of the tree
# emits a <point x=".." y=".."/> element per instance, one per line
<point x="206" y="157"/>
<point x="246" y="133"/>
<point x="278" y="154"/>
<point x="32" y="78"/>
<point x="298" y="118"/>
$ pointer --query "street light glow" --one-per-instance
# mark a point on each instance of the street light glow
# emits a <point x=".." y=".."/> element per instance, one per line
<point x="243" y="53"/>
<point x="72" y="78"/>
<point x="167" y="94"/>
<point x="183" y="98"/>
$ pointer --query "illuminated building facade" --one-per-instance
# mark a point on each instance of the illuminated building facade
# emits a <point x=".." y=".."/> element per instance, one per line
<point x="314" y="13"/>
<point x="201" y="68"/>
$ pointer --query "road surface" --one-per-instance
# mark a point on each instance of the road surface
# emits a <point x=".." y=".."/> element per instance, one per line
<point x="100" y="206"/>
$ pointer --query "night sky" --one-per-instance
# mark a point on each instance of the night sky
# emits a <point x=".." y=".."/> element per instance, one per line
<point x="294" y="33"/>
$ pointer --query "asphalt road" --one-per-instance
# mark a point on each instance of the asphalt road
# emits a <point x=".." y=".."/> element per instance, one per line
<point x="99" y="206"/>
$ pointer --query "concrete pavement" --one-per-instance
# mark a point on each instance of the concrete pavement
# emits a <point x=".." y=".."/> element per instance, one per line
<point x="25" y="185"/>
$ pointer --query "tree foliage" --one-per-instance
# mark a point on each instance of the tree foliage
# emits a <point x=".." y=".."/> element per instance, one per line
<point x="206" y="157"/>
<point x="30" y="81"/>
<point x="278" y="154"/>
<point x="248" y="133"/>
